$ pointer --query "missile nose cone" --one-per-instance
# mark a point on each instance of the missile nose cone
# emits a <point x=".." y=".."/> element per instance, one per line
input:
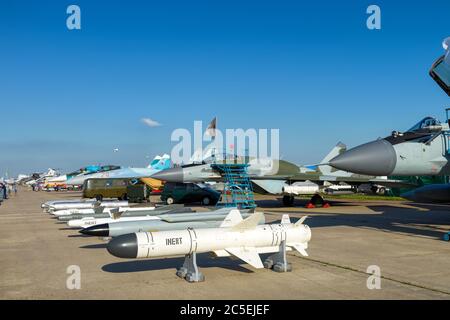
<point x="169" y="175"/>
<point x="124" y="246"/>
<point x="376" y="158"/>
<point x="100" y="230"/>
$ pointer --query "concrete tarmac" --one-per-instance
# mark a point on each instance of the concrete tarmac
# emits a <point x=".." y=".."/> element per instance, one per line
<point x="403" y="240"/>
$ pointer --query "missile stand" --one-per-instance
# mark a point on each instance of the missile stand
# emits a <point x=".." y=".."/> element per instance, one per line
<point x="278" y="261"/>
<point x="189" y="271"/>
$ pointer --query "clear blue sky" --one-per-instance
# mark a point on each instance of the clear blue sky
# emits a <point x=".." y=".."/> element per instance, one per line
<point x="67" y="98"/>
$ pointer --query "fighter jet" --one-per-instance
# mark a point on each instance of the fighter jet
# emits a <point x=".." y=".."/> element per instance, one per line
<point x="61" y="180"/>
<point x="158" y="163"/>
<point x="421" y="150"/>
<point x="289" y="180"/>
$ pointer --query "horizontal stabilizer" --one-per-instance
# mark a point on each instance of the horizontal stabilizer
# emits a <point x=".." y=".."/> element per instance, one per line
<point x="250" y="222"/>
<point x="247" y="254"/>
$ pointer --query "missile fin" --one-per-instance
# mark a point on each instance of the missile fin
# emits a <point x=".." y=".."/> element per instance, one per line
<point x="249" y="222"/>
<point x="221" y="253"/>
<point x="247" y="254"/>
<point x="233" y="218"/>
<point x="302" y="219"/>
<point x="285" y="219"/>
<point x="115" y="213"/>
<point x="300" y="248"/>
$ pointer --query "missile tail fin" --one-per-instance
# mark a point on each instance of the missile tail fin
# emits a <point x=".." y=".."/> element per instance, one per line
<point x="285" y="219"/>
<point x="302" y="219"/>
<point x="301" y="248"/>
<point x="115" y="213"/>
<point x="247" y="254"/>
<point x="251" y="222"/>
<point x="233" y="218"/>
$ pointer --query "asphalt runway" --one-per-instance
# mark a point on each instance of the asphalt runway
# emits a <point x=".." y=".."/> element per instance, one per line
<point x="403" y="240"/>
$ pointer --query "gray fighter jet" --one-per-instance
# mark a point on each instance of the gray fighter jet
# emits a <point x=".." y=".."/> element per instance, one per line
<point x="289" y="180"/>
<point x="421" y="150"/>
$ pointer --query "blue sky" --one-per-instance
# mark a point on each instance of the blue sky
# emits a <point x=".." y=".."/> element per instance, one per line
<point x="68" y="98"/>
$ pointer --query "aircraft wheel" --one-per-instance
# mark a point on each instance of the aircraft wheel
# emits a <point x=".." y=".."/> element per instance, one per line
<point x="288" y="201"/>
<point x="99" y="197"/>
<point x="170" y="200"/>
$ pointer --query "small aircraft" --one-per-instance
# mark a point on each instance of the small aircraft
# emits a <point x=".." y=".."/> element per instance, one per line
<point x="157" y="164"/>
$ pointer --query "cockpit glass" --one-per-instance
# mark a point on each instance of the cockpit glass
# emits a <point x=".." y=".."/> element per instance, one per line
<point x="442" y="70"/>
<point x="425" y="122"/>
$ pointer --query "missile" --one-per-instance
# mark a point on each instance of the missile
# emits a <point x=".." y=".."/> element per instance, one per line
<point x="244" y="239"/>
<point x="53" y="202"/>
<point x="173" y="208"/>
<point x="86" y="212"/>
<point x="87" y="205"/>
<point x="91" y="221"/>
<point x="433" y="193"/>
<point x="168" y="221"/>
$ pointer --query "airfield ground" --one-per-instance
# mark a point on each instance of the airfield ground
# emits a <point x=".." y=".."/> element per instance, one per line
<point x="404" y="240"/>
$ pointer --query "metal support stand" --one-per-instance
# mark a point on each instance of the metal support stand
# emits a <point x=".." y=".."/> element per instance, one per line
<point x="278" y="261"/>
<point x="189" y="271"/>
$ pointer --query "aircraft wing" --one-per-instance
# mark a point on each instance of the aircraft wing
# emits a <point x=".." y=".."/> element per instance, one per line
<point x="247" y="254"/>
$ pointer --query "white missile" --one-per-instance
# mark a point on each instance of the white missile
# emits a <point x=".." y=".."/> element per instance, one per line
<point x="91" y="221"/>
<point x="244" y="239"/>
<point x="98" y="210"/>
<point x="86" y="205"/>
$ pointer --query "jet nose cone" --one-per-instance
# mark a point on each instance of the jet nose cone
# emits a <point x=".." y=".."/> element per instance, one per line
<point x="376" y="158"/>
<point x="100" y="230"/>
<point x="124" y="246"/>
<point x="169" y="175"/>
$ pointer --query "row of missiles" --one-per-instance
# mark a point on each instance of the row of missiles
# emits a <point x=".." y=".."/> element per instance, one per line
<point x="167" y="231"/>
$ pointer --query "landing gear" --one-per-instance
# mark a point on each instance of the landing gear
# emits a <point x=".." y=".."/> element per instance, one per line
<point x="189" y="271"/>
<point x="288" y="201"/>
<point x="278" y="261"/>
<point x="317" y="202"/>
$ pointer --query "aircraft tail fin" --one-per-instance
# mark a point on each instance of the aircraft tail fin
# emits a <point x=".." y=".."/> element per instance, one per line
<point x="161" y="163"/>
